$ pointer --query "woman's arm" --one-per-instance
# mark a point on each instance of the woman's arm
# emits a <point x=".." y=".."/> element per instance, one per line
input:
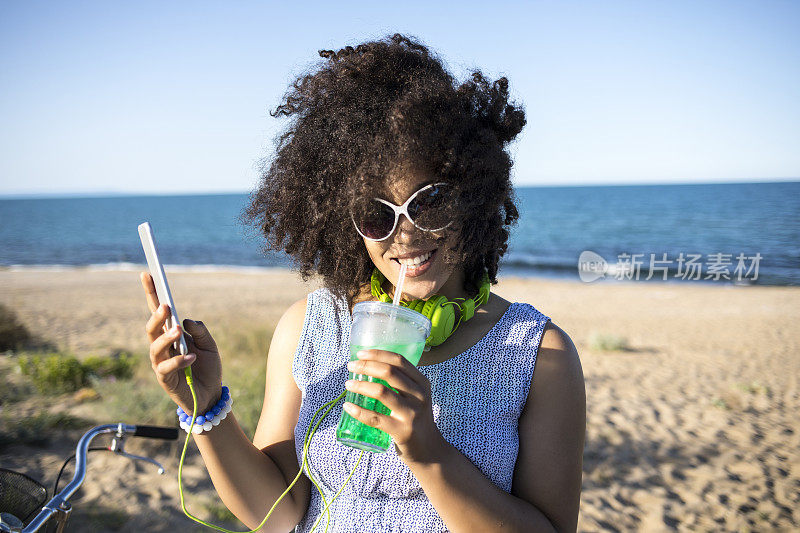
<point x="552" y="431"/>
<point x="547" y="476"/>
<point x="249" y="477"/>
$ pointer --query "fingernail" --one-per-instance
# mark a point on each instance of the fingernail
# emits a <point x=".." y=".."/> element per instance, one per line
<point x="189" y="357"/>
<point x="173" y="330"/>
<point x="348" y="384"/>
<point x="351" y="365"/>
<point x="349" y="408"/>
<point x="362" y="353"/>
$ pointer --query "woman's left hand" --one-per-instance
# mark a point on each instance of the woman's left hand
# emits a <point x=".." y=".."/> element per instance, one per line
<point x="410" y="424"/>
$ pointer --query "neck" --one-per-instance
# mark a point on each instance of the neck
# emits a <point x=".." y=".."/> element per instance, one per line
<point x="453" y="287"/>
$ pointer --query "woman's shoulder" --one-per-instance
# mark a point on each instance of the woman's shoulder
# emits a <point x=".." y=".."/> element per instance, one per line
<point x="558" y="366"/>
<point x="321" y="300"/>
<point x="555" y="347"/>
<point x="292" y="320"/>
<point x="516" y="322"/>
<point x="556" y="352"/>
<point x="524" y="311"/>
<point x="324" y="299"/>
<point x="553" y="338"/>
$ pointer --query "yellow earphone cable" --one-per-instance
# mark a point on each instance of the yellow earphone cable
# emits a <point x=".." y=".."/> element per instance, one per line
<point x="305" y="465"/>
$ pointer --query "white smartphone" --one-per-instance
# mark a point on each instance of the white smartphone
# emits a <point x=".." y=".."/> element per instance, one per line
<point x="160" y="280"/>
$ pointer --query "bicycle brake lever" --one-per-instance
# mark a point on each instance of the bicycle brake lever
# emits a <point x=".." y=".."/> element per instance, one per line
<point x="141" y="458"/>
<point x="118" y="447"/>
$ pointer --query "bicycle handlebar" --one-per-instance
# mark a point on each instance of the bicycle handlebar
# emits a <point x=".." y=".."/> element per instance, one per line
<point x="156" y="432"/>
<point x="59" y="501"/>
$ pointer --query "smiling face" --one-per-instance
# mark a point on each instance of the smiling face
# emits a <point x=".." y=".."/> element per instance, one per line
<point x="422" y="251"/>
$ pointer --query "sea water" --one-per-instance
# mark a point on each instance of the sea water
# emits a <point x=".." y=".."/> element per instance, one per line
<point x="556" y="224"/>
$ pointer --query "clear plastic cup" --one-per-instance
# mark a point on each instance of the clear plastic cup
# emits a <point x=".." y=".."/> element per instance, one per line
<point x="382" y="326"/>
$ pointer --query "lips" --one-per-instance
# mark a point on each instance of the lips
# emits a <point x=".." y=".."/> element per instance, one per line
<point x="416" y="263"/>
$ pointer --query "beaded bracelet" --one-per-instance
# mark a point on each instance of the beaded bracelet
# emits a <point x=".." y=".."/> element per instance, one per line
<point x="211" y="418"/>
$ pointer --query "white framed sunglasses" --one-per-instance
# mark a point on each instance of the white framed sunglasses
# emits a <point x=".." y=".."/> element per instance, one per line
<point x="375" y="219"/>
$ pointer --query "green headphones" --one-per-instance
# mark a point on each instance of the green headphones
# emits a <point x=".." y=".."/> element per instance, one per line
<point x="438" y="309"/>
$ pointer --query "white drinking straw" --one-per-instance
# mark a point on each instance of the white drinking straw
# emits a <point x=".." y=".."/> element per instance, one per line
<point x="398" y="290"/>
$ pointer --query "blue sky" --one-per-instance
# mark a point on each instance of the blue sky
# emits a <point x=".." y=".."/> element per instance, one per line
<point x="174" y="97"/>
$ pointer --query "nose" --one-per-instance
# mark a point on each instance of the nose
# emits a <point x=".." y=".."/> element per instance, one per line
<point x="406" y="231"/>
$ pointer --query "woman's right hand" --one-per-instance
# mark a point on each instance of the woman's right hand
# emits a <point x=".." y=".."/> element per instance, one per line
<point x="168" y="366"/>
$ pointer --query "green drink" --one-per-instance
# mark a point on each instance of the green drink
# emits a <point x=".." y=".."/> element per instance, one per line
<point x="380" y="326"/>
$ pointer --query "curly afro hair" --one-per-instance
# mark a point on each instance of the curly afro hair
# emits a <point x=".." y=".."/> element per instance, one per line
<point x="367" y="111"/>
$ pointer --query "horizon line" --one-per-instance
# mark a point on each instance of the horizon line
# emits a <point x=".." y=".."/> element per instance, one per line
<point x="116" y="194"/>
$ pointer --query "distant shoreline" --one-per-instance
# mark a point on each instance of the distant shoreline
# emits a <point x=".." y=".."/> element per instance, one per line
<point x="508" y="274"/>
<point x="145" y="194"/>
<point x="135" y="267"/>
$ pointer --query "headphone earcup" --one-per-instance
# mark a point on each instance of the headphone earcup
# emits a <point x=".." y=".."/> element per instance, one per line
<point x="416" y="305"/>
<point x="442" y="317"/>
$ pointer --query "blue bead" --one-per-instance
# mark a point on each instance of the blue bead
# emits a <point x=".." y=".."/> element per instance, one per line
<point x="200" y="420"/>
<point x="183" y="417"/>
<point x="179" y="411"/>
<point x="225" y="396"/>
<point x="216" y="409"/>
<point x="221" y="404"/>
<point x="225" y="389"/>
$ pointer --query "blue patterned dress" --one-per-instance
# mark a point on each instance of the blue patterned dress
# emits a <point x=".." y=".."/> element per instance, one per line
<point x="478" y="397"/>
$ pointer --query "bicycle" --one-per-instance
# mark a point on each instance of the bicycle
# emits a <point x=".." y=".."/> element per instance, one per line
<point x="21" y="496"/>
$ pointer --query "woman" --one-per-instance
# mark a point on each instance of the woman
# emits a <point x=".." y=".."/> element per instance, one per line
<point x="481" y="443"/>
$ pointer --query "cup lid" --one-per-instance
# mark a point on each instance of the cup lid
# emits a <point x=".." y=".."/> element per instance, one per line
<point x="384" y="308"/>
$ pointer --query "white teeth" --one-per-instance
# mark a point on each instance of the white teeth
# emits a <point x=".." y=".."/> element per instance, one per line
<point x="415" y="260"/>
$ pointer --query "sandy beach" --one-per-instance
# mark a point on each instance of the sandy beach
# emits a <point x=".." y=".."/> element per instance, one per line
<point x="693" y="426"/>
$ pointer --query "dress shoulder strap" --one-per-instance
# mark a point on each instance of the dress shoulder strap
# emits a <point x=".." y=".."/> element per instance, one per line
<point x="326" y="330"/>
